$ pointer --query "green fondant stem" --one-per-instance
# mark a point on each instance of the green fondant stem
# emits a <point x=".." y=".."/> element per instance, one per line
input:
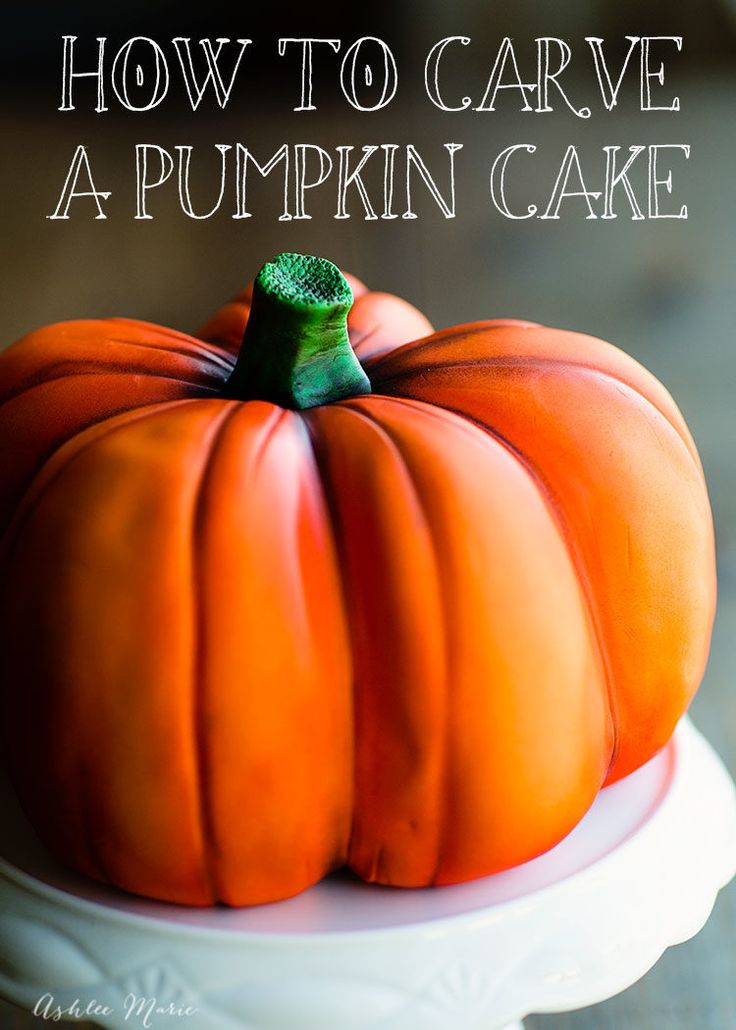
<point x="295" y="350"/>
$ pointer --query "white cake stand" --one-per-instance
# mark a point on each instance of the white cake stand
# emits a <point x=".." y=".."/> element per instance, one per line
<point x="641" y="872"/>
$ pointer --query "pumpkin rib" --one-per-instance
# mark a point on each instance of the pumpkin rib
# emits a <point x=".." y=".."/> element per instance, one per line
<point x="45" y="477"/>
<point x="278" y="418"/>
<point x="547" y="798"/>
<point x="567" y="537"/>
<point x="226" y="327"/>
<point x="312" y="435"/>
<point x="543" y="362"/>
<point x="194" y="353"/>
<point x="641" y="477"/>
<point x="45" y="480"/>
<point x="74" y="406"/>
<point x="364" y="338"/>
<point x="189" y="348"/>
<point x="104" y="370"/>
<point x="443" y="794"/>
<point x="40" y="348"/>
<point x="382" y="322"/>
<point x="202" y="348"/>
<point x="431" y="339"/>
<point x="367" y="819"/>
<point x="343" y="846"/>
<point x="210" y="444"/>
<point x="278" y="677"/>
<point x="198" y="347"/>
<point x="355" y="341"/>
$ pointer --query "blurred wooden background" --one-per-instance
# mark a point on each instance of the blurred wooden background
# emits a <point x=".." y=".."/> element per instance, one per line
<point x="663" y="291"/>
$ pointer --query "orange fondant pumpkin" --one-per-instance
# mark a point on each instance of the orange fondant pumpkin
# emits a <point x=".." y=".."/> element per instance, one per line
<point x="247" y="641"/>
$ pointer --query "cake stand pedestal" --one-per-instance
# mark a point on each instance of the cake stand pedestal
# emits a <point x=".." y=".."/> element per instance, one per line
<point x="581" y="923"/>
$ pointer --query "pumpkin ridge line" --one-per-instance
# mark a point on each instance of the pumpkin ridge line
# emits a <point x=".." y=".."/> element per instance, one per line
<point x="450" y="332"/>
<point x="312" y="434"/>
<point x="209" y="446"/>
<point x="362" y="338"/>
<point x="338" y="539"/>
<point x="387" y="349"/>
<point x="37" y="380"/>
<point x="275" y="418"/>
<point x="576" y="560"/>
<point x="359" y="337"/>
<point x="533" y="361"/>
<point x="211" y="350"/>
<point x="197" y="349"/>
<point x="443" y="806"/>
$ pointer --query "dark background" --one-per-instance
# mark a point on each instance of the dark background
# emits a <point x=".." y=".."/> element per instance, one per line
<point x="662" y="290"/>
